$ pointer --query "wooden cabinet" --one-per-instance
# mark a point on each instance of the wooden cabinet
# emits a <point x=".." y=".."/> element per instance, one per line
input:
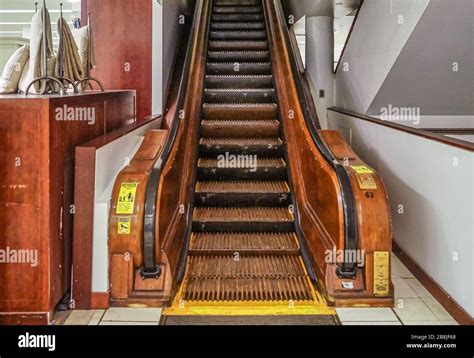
<point x="38" y="136"/>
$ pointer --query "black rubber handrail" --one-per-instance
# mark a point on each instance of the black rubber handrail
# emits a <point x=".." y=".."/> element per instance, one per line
<point x="150" y="268"/>
<point x="346" y="269"/>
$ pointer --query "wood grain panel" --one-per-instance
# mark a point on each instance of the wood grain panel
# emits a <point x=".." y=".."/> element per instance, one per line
<point x="36" y="192"/>
<point x="123" y="39"/>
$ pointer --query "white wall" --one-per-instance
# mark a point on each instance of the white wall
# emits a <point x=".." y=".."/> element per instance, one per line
<point x="376" y="41"/>
<point x="436" y="228"/>
<point x="434" y="72"/>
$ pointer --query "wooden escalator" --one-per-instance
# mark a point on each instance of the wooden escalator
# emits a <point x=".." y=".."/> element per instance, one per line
<point x="241" y="204"/>
<point x="243" y="246"/>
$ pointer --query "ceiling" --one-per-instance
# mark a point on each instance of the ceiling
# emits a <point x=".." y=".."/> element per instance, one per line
<point x="15" y="15"/>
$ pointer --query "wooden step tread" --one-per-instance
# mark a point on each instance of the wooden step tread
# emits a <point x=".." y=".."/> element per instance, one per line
<point x="239" y="90"/>
<point x="237" y="2"/>
<point x="241" y="141"/>
<point x="243" y="242"/>
<point x="238" y="26"/>
<point x="242" y="186"/>
<point x="255" y="214"/>
<point x="239" y="76"/>
<point x="288" y="289"/>
<point x="238" y="17"/>
<point x="241" y="105"/>
<point x="230" y="266"/>
<point x="261" y="163"/>
<point x="240" y="122"/>
<point x="237" y="9"/>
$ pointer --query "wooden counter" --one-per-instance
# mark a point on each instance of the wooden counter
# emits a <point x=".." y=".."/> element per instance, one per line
<point x="38" y="136"/>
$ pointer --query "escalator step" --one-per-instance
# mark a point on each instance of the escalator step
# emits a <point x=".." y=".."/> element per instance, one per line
<point x="238" y="56"/>
<point x="226" y="167"/>
<point x="237" y="9"/>
<point x="247" y="243"/>
<point x="263" y="147"/>
<point x="240" y="128"/>
<point x="243" y="95"/>
<point x="232" y="68"/>
<point x="238" y="45"/>
<point x="237" y="2"/>
<point x="242" y="219"/>
<point x="239" y="81"/>
<point x="213" y="111"/>
<point x="265" y="266"/>
<point x="285" y="289"/>
<point x="238" y="35"/>
<point x="238" y="17"/>
<point x="246" y="26"/>
<point x="242" y="193"/>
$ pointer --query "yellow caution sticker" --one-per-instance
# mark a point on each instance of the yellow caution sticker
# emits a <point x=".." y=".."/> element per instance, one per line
<point x="124" y="226"/>
<point x="381" y="273"/>
<point x="362" y="169"/>
<point x="126" y="200"/>
<point x="366" y="181"/>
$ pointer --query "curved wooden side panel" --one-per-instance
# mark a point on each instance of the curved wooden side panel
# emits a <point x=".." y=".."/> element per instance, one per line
<point x="126" y="214"/>
<point x="373" y="224"/>
<point x="318" y="194"/>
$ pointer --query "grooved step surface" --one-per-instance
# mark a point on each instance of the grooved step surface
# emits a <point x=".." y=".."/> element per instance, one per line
<point x="251" y="186"/>
<point x="240" y="128"/>
<point x="238" y="45"/>
<point x="256" y="68"/>
<point x="210" y="266"/>
<point x="237" y="26"/>
<point x="238" y="17"/>
<point x="237" y="35"/>
<point x="237" y="2"/>
<point x="225" y="56"/>
<point x="243" y="242"/>
<point x="269" y="142"/>
<point x="248" y="289"/>
<point x="240" y="110"/>
<point x="261" y="163"/>
<point x="221" y="95"/>
<point x="243" y="215"/>
<point x="237" y="9"/>
<point x="262" y="147"/>
<point x="239" y="81"/>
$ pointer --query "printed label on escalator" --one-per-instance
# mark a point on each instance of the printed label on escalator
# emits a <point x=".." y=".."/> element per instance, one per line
<point x="124" y="226"/>
<point x="366" y="181"/>
<point x="362" y="169"/>
<point x="381" y="273"/>
<point x="126" y="200"/>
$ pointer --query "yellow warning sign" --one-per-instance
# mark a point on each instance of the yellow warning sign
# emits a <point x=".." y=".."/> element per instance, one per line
<point x="362" y="169"/>
<point x="366" y="181"/>
<point x="381" y="273"/>
<point x="124" y="226"/>
<point x="126" y="200"/>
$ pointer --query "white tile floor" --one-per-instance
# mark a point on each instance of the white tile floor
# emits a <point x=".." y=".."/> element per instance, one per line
<point x="414" y="305"/>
